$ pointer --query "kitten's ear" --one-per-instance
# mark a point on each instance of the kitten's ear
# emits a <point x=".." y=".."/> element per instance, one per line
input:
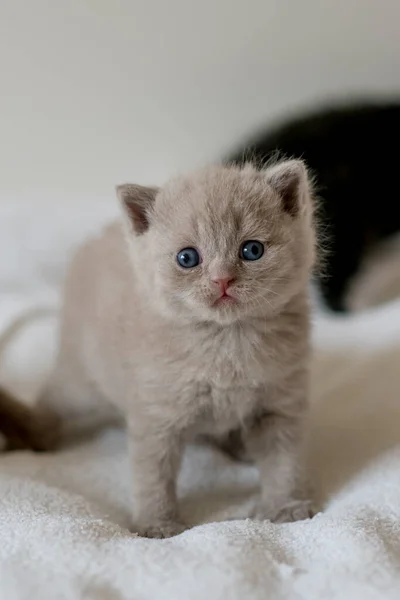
<point x="137" y="202"/>
<point x="290" y="179"/>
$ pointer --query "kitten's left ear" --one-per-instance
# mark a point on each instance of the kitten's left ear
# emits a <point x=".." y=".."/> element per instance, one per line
<point x="290" y="179"/>
<point x="137" y="203"/>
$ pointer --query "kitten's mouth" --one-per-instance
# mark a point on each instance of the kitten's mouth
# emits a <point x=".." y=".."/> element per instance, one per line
<point x="224" y="298"/>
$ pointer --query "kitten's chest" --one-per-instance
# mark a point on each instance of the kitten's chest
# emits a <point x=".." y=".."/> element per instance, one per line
<point x="232" y="359"/>
<point x="230" y="383"/>
<point x="221" y="409"/>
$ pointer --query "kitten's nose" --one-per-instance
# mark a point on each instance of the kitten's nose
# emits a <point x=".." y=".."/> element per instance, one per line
<point x="223" y="282"/>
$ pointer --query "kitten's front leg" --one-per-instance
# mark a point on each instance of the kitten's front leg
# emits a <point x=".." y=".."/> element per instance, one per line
<point x="275" y="442"/>
<point x="155" y="457"/>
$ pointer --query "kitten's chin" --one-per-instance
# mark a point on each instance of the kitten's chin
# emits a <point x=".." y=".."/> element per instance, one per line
<point x="222" y="313"/>
<point x="226" y="311"/>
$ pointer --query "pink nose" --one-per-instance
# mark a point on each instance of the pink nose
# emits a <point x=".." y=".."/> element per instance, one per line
<point x="223" y="283"/>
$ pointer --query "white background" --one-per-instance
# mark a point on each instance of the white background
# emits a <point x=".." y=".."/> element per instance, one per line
<point x="96" y="92"/>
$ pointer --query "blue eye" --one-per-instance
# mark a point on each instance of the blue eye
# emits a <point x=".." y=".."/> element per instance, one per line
<point x="188" y="258"/>
<point x="251" y="250"/>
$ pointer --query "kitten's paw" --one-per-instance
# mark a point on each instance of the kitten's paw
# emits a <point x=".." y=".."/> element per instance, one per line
<point x="164" y="529"/>
<point x="294" y="510"/>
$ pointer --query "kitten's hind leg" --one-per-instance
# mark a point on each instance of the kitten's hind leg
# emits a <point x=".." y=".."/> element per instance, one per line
<point x="78" y="407"/>
<point x="231" y="444"/>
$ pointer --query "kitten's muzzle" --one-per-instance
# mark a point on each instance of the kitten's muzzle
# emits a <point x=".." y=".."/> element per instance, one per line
<point x="223" y="283"/>
<point x="224" y="290"/>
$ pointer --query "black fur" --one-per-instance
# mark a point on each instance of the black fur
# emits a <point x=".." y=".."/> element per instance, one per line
<point x="354" y="154"/>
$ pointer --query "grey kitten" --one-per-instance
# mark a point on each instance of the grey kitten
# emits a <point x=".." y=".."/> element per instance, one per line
<point x="191" y="318"/>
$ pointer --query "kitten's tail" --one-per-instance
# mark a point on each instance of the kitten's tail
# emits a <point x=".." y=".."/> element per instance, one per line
<point x="22" y="426"/>
<point x="25" y="427"/>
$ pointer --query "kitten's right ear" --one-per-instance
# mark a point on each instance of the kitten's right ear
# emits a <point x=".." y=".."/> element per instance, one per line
<point x="137" y="202"/>
<point x="290" y="179"/>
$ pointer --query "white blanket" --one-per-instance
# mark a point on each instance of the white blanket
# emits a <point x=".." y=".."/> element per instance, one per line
<point x="64" y="517"/>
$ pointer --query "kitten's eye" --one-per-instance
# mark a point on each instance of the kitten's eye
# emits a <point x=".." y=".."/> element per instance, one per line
<point x="188" y="258"/>
<point x="251" y="250"/>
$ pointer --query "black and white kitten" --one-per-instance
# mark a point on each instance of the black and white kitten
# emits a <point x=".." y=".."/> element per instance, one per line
<point x="354" y="154"/>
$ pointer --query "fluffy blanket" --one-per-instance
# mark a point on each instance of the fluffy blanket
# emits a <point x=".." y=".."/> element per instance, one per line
<point x="64" y="516"/>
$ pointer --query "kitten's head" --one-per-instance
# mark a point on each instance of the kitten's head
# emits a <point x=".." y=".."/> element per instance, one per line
<point x="224" y="244"/>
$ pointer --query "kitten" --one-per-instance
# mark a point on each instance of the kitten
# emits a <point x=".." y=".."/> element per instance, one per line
<point x="353" y="154"/>
<point x="24" y="427"/>
<point x="193" y="322"/>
